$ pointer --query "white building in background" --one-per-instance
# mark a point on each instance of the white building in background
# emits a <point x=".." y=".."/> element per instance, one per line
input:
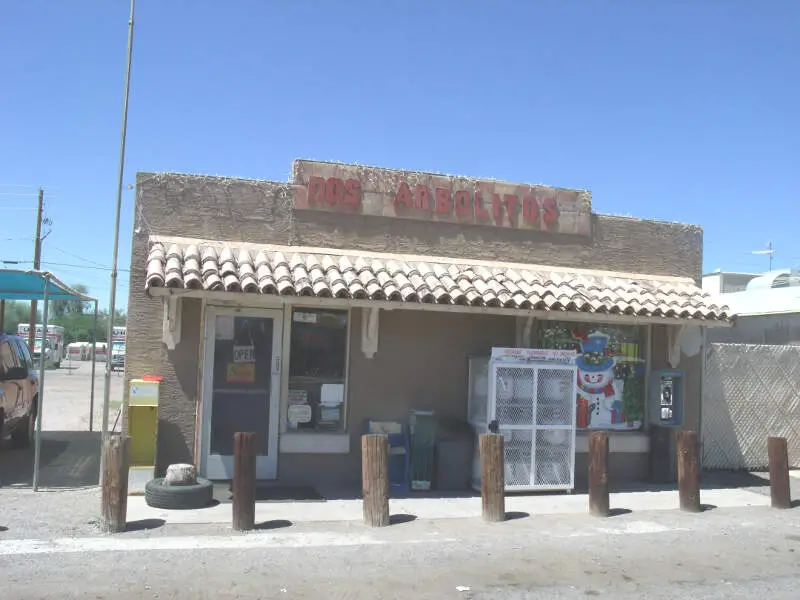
<point x="767" y="306"/>
<point x="725" y="282"/>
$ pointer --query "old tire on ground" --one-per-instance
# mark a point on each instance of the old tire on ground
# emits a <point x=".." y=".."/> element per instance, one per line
<point x="178" y="497"/>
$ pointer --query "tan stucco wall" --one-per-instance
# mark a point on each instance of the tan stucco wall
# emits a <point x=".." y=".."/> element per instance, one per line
<point x="261" y="212"/>
<point x="421" y="364"/>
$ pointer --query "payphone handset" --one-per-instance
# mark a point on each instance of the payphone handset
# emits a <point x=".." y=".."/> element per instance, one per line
<point x="666" y="399"/>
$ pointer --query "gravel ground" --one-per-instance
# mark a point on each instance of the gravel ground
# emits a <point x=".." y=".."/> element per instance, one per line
<point x="48" y="514"/>
<point x="741" y="553"/>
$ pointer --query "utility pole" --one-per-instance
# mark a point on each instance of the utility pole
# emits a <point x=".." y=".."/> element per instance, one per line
<point x="112" y="309"/>
<point x="37" y="257"/>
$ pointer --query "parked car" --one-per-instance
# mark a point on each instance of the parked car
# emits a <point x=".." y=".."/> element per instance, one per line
<point x="118" y="356"/>
<point x="19" y="391"/>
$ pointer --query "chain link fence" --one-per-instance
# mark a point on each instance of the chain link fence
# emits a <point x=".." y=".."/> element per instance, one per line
<point x="751" y="392"/>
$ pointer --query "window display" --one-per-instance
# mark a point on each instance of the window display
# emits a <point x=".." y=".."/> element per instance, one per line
<point x="317" y="370"/>
<point x="611" y="371"/>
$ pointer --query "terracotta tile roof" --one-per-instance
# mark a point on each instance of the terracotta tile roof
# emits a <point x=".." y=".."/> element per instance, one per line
<point x="328" y="273"/>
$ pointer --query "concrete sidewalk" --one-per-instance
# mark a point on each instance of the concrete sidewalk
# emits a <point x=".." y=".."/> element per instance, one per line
<point x="442" y="508"/>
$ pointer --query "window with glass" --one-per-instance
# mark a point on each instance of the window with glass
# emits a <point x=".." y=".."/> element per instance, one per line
<point x="9" y="359"/>
<point x="611" y="371"/>
<point x="317" y="370"/>
<point x="25" y="355"/>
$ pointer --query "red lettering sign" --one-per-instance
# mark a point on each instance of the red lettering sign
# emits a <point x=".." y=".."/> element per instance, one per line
<point x="551" y="213"/>
<point x="480" y="212"/>
<point x="316" y="189"/>
<point x="512" y="205"/>
<point x="422" y="197"/>
<point x="530" y="211"/>
<point x="403" y="196"/>
<point x="497" y="208"/>
<point x="444" y="205"/>
<point x="521" y="208"/>
<point x="352" y="192"/>
<point x="463" y="204"/>
<point x="334" y="191"/>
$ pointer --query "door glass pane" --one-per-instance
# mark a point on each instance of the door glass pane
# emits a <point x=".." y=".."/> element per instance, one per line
<point x="241" y="381"/>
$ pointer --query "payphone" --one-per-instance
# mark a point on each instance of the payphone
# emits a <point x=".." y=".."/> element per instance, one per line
<point x="666" y="399"/>
<point x="665" y="414"/>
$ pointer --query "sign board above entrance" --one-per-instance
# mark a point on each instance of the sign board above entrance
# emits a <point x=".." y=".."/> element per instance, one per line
<point x="339" y="188"/>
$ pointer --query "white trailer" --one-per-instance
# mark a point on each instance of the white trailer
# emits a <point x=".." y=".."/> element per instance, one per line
<point x="54" y="348"/>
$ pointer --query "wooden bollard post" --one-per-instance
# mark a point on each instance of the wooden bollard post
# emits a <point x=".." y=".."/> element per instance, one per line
<point x="688" y="472"/>
<point x="493" y="480"/>
<point x="779" y="488"/>
<point x="114" y="482"/>
<point x="244" y="481"/>
<point x="598" y="474"/>
<point x="375" y="479"/>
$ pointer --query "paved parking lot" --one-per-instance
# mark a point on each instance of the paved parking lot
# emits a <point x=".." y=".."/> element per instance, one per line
<point x="69" y="452"/>
<point x="67" y="397"/>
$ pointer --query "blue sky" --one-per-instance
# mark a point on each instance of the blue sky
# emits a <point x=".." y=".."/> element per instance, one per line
<point x="681" y="110"/>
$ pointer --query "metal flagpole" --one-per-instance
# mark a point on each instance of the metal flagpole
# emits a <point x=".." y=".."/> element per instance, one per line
<point x="113" y="292"/>
<point x="42" y="362"/>
<point x="94" y="351"/>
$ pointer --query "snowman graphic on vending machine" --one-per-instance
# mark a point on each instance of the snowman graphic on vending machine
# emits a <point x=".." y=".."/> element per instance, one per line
<point x="596" y="385"/>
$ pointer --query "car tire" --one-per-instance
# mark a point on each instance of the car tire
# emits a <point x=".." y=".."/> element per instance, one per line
<point x="22" y="436"/>
<point x="178" y="497"/>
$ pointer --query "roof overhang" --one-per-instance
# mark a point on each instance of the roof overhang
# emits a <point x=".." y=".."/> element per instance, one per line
<point x="270" y="301"/>
<point x="240" y="272"/>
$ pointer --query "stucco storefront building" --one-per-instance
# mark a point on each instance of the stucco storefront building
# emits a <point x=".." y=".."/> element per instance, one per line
<point x="301" y="310"/>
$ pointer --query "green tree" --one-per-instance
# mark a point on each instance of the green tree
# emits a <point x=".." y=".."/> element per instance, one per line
<point x="75" y="316"/>
<point x="78" y="327"/>
<point x="61" y="308"/>
<point x="17" y="312"/>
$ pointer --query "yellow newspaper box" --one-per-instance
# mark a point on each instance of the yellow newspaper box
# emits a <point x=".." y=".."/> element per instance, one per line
<point x="143" y="422"/>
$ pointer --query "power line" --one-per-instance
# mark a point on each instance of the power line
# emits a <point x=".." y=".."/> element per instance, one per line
<point x="99" y="268"/>
<point x="58" y="264"/>
<point x="93" y="262"/>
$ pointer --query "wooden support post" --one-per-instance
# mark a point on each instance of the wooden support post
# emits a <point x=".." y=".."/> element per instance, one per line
<point x="114" y="496"/>
<point x="375" y="479"/>
<point x="688" y="472"/>
<point x="493" y="480"/>
<point x="779" y="487"/>
<point x="244" y="481"/>
<point x="598" y="474"/>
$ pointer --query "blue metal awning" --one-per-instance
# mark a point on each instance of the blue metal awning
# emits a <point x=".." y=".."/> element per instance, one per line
<point x="30" y="285"/>
<point x="42" y="285"/>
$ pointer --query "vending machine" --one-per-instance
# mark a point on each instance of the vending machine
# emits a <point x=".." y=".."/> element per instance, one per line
<point x="527" y="395"/>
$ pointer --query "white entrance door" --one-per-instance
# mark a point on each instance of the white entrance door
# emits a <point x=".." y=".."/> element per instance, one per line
<point x="241" y="388"/>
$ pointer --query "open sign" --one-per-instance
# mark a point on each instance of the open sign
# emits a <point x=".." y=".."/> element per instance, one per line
<point x="244" y="354"/>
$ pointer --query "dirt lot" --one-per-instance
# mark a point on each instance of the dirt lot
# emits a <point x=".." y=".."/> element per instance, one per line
<point x="67" y="397"/>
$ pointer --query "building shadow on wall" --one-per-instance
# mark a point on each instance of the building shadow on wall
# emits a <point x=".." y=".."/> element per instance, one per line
<point x="172" y="443"/>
